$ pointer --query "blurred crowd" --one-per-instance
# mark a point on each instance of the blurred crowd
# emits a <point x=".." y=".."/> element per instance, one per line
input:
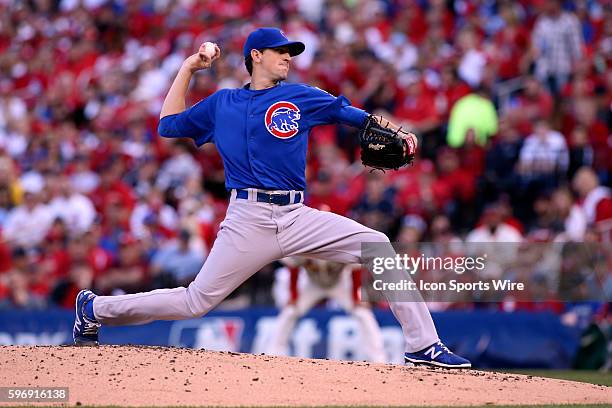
<point x="510" y="99"/>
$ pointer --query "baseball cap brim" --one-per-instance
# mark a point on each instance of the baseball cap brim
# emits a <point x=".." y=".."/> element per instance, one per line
<point x="295" y="47"/>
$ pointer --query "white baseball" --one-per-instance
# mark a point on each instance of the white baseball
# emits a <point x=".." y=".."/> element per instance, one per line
<point x="209" y="49"/>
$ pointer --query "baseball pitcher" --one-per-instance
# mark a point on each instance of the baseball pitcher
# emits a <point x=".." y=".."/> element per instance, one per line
<point x="261" y="132"/>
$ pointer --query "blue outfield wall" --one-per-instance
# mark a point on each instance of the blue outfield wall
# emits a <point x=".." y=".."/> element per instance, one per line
<point x="489" y="339"/>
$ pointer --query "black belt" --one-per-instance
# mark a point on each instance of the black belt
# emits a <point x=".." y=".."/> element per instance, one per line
<point x="272" y="198"/>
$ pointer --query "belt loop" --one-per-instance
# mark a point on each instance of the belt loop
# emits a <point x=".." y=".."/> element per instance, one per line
<point x="252" y="196"/>
<point x="291" y="196"/>
<point x="233" y="194"/>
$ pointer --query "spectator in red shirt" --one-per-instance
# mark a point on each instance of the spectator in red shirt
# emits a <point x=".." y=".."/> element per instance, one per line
<point x="416" y="110"/>
<point x="532" y="104"/>
<point x="416" y="106"/>
<point x="583" y="112"/>
<point x="27" y="286"/>
<point x="129" y="271"/>
<point x="324" y="195"/>
<point x="80" y="276"/>
<point x="510" y="43"/>
<point x="461" y="184"/>
<point x="54" y="260"/>
<point x="112" y="189"/>
<point x="451" y="89"/>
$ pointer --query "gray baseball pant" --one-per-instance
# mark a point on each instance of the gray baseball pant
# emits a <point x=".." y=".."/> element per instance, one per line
<point x="252" y="235"/>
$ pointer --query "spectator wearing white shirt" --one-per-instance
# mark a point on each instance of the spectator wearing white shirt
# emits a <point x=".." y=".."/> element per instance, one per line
<point x="75" y="209"/>
<point x="27" y="224"/>
<point x="178" y="168"/>
<point x="14" y="124"/>
<point x="571" y="215"/>
<point x="83" y="179"/>
<point x="473" y="61"/>
<point x="488" y="239"/>
<point x="557" y="45"/>
<point x="542" y="167"/>
<point x="494" y="229"/>
<point x="298" y="30"/>
<point x="544" y="153"/>
<point x="154" y="208"/>
<point x="14" y="137"/>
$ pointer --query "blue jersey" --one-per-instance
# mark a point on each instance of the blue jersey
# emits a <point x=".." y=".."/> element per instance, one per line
<point x="262" y="135"/>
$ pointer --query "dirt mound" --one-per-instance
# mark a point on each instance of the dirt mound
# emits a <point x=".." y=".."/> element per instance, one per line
<point x="127" y="375"/>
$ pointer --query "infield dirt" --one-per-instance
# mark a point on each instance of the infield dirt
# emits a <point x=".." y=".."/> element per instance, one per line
<point x="161" y="376"/>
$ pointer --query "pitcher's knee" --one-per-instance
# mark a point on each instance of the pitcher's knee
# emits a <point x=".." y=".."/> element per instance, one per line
<point x="198" y="303"/>
<point x="375" y="236"/>
<point x="374" y="244"/>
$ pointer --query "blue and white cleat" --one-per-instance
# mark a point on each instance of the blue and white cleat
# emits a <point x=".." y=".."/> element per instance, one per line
<point x="85" y="331"/>
<point x="437" y="355"/>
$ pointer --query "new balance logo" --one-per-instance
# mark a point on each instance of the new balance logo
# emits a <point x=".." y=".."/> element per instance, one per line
<point x="433" y="353"/>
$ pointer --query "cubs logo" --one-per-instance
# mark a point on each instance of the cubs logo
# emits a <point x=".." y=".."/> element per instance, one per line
<point x="282" y="120"/>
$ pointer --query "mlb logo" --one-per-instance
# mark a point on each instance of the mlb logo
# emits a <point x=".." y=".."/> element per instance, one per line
<point x="210" y="333"/>
<point x="281" y="120"/>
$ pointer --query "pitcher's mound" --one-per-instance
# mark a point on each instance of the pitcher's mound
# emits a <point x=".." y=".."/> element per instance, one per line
<point x="127" y="375"/>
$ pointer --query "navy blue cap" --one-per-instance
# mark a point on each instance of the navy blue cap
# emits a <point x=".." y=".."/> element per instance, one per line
<point x="270" y="37"/>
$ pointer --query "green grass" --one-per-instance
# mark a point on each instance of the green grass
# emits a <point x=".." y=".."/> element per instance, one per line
<point x="592" y="377"/>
